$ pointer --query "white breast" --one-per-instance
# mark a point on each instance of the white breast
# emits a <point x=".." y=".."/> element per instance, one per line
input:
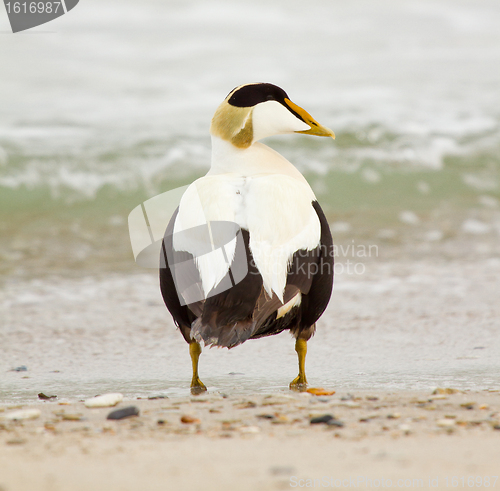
<point x="281" y="220"/>
<point x="274" y="207"/>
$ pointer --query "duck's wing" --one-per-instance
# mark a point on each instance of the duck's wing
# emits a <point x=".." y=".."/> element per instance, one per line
<point x="182" y="314"/>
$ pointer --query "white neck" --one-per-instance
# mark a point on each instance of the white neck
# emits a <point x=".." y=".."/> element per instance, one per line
<point x="251" y="161"/>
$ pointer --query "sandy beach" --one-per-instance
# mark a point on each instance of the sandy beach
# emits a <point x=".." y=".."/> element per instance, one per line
<point x="265" y="441"/>
<point x="385" y="343"/>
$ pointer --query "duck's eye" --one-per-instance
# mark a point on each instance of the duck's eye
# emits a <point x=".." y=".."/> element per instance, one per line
<point x="269" y="97"/>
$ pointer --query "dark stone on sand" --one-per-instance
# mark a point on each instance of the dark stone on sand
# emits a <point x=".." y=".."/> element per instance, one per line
<point x="22" y="368"/>
<point x="321" y="419"/>
<point x="126" y="412"/>
<point x="45" y="398"/>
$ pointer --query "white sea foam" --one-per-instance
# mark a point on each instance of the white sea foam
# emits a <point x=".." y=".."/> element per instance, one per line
<point x="420" y="82"/>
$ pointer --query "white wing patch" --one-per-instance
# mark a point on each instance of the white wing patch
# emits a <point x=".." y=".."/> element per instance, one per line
<point x="294" y="302"/>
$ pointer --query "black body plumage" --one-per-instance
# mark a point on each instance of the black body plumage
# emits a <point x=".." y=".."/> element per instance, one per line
<point x="246" y="311"/>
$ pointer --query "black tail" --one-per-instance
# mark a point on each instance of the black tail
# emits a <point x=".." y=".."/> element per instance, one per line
<point x="227" y="336"/>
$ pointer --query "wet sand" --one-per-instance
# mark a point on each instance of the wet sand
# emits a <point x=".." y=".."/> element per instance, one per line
<point x="388" y="338"/>
<point x="262" y="441"/>
<point x="402" y="325"/>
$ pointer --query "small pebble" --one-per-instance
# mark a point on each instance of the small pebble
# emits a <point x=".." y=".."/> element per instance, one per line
<point x="72" y="416"/>
<point x="474" y="423"/>
<point x="22" y="368"/>
<point x="186" y="419"/>
<point x="22" y="414"/>
<point x="245" y="405"/>
<point x="348" y="397"/>
<point x="350" y="404"/>
<point x="44" y="397"/>
<point x="484" y="406"/>
<point x="16" y="441"/>
<point x="126" y="412"/>
<point x="106" y="400"/>
<point x="468" y="405"/>
<point x="249" y="429"/>
<point x="321" y="419"/>
<point x="448" y="390"/>
<point x="394" y="416"/>
<point x="445" y="423"/>
<point x="406" y="429"/>
<point x="280" y="419"/>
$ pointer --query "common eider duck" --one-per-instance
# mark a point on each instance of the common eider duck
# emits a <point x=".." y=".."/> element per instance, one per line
<point x="248" y="252"/>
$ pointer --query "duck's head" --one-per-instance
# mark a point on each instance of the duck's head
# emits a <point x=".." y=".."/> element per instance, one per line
<point x="253" y="111"/>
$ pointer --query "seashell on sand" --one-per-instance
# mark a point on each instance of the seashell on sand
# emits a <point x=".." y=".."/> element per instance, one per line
<point x="106" y="400"/>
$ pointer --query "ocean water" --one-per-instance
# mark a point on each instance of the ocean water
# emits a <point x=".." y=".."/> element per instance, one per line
<point x="110" y="105"/>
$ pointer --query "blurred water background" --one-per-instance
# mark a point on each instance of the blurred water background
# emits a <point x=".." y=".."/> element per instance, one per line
<point x="110" y="105"/>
